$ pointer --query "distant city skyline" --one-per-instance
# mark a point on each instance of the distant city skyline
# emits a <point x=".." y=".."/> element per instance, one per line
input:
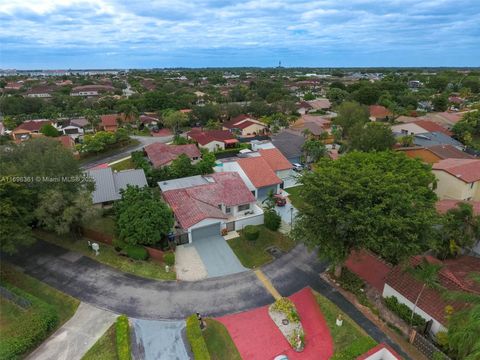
<point x="106" y="34"/>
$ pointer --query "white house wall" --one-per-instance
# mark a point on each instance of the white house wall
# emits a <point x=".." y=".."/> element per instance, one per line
<point x="251" y="220"/>
<point x="213" y="145"/>
<point x="389" y="291"/>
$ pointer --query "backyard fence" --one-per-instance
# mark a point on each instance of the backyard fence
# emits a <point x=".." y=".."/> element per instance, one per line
<point x="426" y="347"/>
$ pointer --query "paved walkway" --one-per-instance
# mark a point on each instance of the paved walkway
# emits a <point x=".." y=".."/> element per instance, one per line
<point x="217" y="256"/>
<point x="76" y="336"/>
<point x="159" y="340"/>
<point x="252" y="330"/>
<point x="188" y="264"/>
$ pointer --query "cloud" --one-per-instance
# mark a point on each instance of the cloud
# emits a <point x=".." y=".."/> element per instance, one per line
<point x="258" y="32"/>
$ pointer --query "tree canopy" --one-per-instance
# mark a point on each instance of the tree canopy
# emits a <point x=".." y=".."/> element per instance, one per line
<point x="371" y="137"/>
<point x="381" y="201"/>
<point x="350" y="114"/>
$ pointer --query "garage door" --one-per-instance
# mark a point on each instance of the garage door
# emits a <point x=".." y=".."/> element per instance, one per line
<point x="206" y="231"/>
<point x="263" y="192"/>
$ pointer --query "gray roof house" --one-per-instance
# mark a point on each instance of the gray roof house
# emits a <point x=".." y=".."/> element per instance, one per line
<point x="434" y="138"/>
<point x="290" y="143"/>
<point x="109" y="183"/>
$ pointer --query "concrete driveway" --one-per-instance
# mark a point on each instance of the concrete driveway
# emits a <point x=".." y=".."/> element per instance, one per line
<point x="217" y="257"/>
<point x="287" y="212"/>
<point x="159" y="340"/>
<point x="188" y="264"/>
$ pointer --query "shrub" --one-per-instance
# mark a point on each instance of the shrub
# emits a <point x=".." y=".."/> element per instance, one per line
<point x="196" y="340"/>
<point x="403" y="311"/>
<point x="30" y="329"/>
<point x="136" y="252"/>
<point x="169" y="259"/>
<point x="251" y="232"/>
<point x="122" y="334"/>
<point x="350" y="282"/>
<point x="118" y="244"/>
<point x="286" y="307"/>
<point x="272" y="220"/>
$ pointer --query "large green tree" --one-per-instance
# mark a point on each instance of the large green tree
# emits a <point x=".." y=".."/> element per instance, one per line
<point x="313" y="150"/>
<point x="175" y="120"/>
<point x="382" y="201"/>
<point x="351" y="114"/>
<point x="371" y="137"/>
<point x="142" y="218"/>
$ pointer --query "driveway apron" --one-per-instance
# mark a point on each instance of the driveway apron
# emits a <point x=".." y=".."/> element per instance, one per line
<point x="218" y="258"/>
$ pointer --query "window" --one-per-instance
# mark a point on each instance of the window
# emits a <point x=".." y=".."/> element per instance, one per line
<point x="227" y="210"/>
<point x="243" y="207"/>
<point x="471" y="185"/>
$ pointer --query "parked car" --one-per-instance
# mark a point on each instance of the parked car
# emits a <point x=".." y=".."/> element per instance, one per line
<point x="297" y="167"/>
<point x="280" y="200"/>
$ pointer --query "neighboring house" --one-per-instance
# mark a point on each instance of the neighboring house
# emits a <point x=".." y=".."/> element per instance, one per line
<point x="91" y="90"/>
<point x="429" y="139"/>
<point x="40" y="91"/>
<point x="457" y="179"/>
<point x="303" y="107"/>
<point x="149" y="121"/>
<point x="108" y="183"/>
<point x="290" y="144"/>
<point x="453" y="276"/>
<point x="67" y="142"/>
<point x="434" y="154"/>
<point x="212" y="139"/>
<point x="28" y="128"/>
<point x="279" y="164"/>
<point x="161" y="154"/>
<point x="245" y="125"/>
<point x="379" y="113"/>
<point x="204" y="205"/>
<point x="315" y="125"/>
<point x="109" y="122"/>
<point x="74" y="127"/>
<point x="380" y="352"/>
<point x="14" y="86"/>
<point x="320" y="104"/>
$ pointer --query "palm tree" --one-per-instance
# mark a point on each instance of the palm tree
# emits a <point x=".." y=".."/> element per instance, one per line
<point x="130" y="113"/>
<point x="464" y="324"/>
<point x="92" y="118"/>
<point x="427" y="274"/>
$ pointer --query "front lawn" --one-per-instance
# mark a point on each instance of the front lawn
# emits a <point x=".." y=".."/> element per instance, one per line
<point x="294" y="196"/>
<point x="108" y="256"/>
<point x="252" y="254"/>
<point x="219" y="343"/>
<point x="123" y="165"/>
<point x="105" y="347"/>
<point x="349" y="340"/>
<point x="110" y="151"/>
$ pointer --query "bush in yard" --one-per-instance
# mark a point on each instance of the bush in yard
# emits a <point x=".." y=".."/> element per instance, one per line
<point x="196" y="340"/>
<point x="286" y="307"/>
<point x="118" y="244"/>
<point x="136" y="252"/>
<point x="251" y="232"/>
<point x="403" y="311"/>
<point x="169" y="259"/>
<point x="30" y="329"/>
<point x="122" y="334"/>
<point x="272" y="220"/>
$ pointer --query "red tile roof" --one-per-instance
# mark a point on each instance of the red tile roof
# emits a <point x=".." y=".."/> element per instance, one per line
<point x="369" y="267"/>
<point x="207" y="136"/>
<point x="161" y="154"/>
<point x="33" y="125"/>
<point x="244" y="124"/>
<point x="379" y="111"/>
<point x="259" y="172"/>
<point x="430" y="126"/>
<point x="444" y="205"/>
<point x="230" y="124"/>
<point x="109" y="120"/>
<point x="449" y="151"/>
<point x="194" y="204"/>
<point x="467" y="170"/>
<point x="66" y="141"/>
<point x="380" y="350"/>
<point x="275" y="159"/>
<point x="453" y="276"/>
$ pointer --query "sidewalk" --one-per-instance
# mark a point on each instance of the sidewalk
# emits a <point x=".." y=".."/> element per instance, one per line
<point x="76" y="336"/>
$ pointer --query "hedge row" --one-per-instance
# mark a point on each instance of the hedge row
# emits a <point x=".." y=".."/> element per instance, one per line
<point x="196" y="340"/>
<point x="122" y="334"/>
<point x="404" y="312"/>
<point x="30" y="329"/>
<point x="136" y="252"/>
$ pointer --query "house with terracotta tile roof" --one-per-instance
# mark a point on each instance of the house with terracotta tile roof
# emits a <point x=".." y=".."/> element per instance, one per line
<point x="245" y="125"/>
<point x="434" y="154"/>
<point x="109" y="122"/>
<point x="212" y="140"/>
<point x="380" y="352"/>
<point x="29" y="128"/>
<point x="379" y="113"/>
<point x="204" y="205"/>
<point x="160" y="154"/>
<point x="457" y="179"/>
<point x="454" y="275"/>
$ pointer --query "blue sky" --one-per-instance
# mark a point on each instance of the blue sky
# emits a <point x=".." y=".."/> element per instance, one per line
<point x="57" y="34"/>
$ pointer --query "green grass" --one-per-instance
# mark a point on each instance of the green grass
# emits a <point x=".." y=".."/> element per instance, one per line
<point x="294" y="196"/>
<point x="123" y="165"/>
<point x="104" y="348"/>
<point x="252" y="254"/>
<point x="349" y="340"/>
<point x="9" y="313"/>
<point x="149" y="269"/>
<point x="219" y="343"/>
<point x="104" y="224"/>
<point x="65" y="305"/>
<point x="114" y="149"/>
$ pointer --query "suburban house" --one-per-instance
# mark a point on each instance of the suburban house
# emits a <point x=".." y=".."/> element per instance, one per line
<point x="29" y="128"/>
<point x="91" y="90"/>
<point x="14" y="85"/>
<point x="108" y="183"/>
<point x="44" y="91"/>
<point x="74" y="127"/>
<point x="280" y="165"/>
<point x="379" y="113"/>
<point x="429" y="139"/>
<point x="320" y="104"/>
<point x="161" y="154"/>
<point x="453" y="275"/>
<point x="380" y="352"/>
<point x="245" y="125"/>
<point x="204" y="205"/>
<point x="290" y="143"/>
<point x="212" y="139"/>
<point x="149" y="120"/>
<point x="303" y="107"/>
<point x="419" y="127"/>
<point x="434" y="154"/>
<point x="67" y="142"/>
<point x="314" y="125"/>
<point x="109" y="122"/>
<point x="457" y="179"/>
